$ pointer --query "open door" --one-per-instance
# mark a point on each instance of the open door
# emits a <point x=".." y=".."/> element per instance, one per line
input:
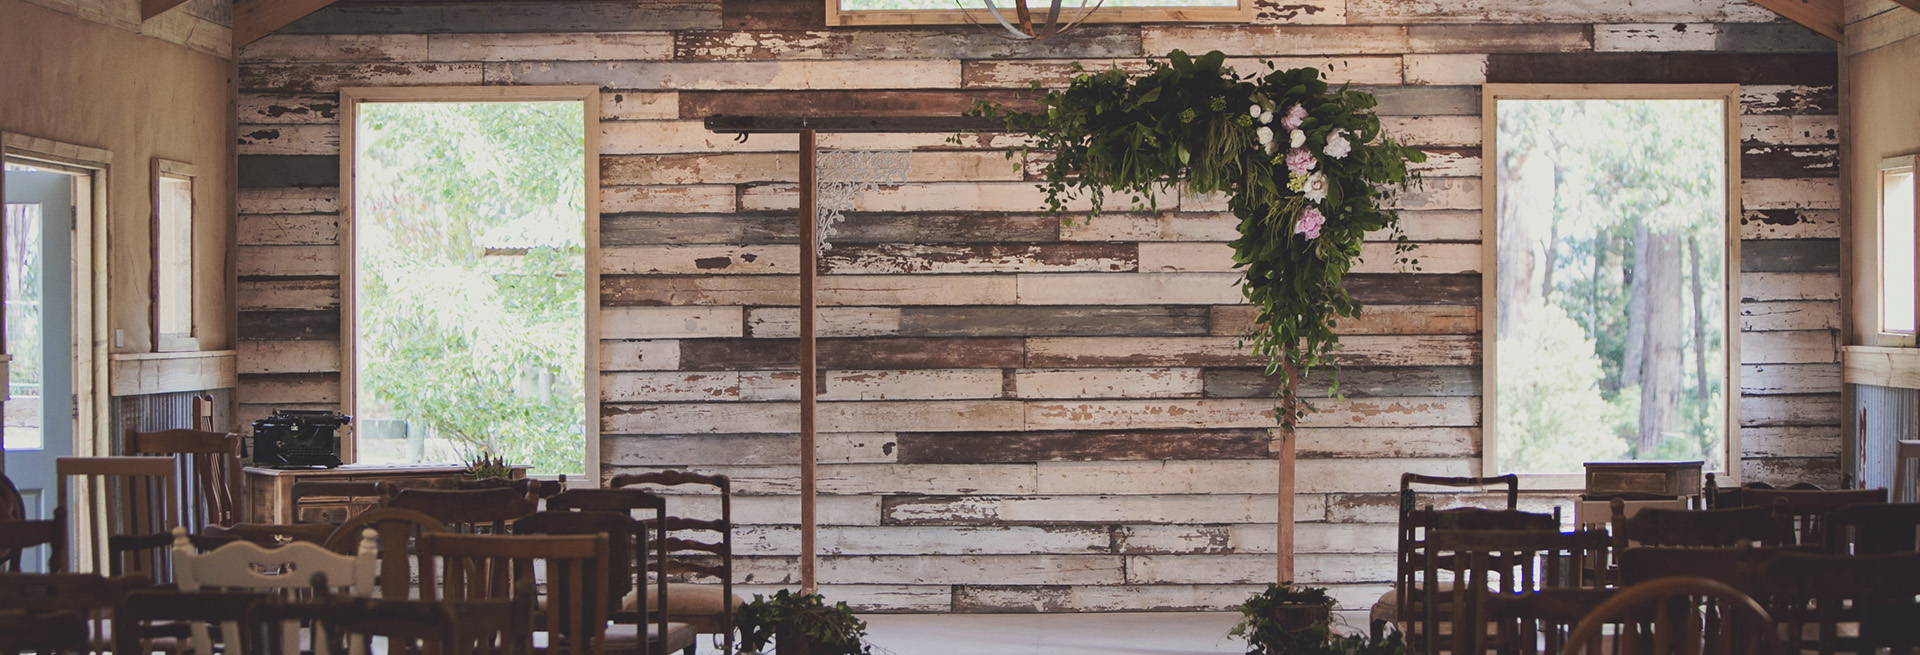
<point x="38" y="278"/>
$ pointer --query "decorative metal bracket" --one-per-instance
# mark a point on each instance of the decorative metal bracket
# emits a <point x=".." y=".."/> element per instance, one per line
<point x="844" y="176"/>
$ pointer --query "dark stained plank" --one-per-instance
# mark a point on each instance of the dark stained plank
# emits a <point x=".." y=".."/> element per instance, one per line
<point x="290" y="326"/>
<point x="1080" y="446"/>
<point x="753" y="228"/>
<point x="1791" y="100"/>
<point x="1414" y="288"/>
<point x="857" y="354"/>
<point x="1655" y="68"/>
<point x="1424" y="100"/>
<point x="772" y="15"/>
<point x="1790" y="256"/>
<point x="736" y="124"/>
<point x="1144" y="320"/>
<point x="745" y="228"/>
<point x="1770" y="37"/>
<point x="1770" y="160"/>
<point x="996" y="257"/>
<point x="510" y="17"/>
<point x="879" y="103"/>
<point x="1355" y="382"/>
<point x="1778" y="217"/>
<point x="931" y="42"/>
<point x="278" y="171"/>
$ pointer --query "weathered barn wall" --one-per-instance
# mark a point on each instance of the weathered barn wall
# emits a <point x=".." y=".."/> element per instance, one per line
<point x="91" y="73"/>
<point x="1027" y="415"/>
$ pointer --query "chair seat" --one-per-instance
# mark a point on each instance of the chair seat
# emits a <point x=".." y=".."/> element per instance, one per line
<point x="1387" y="608"/>
<point x="695" y="604"/>
<point x="626" y="637"/>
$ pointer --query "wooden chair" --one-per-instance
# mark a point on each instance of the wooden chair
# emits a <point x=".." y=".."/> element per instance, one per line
<point x="1718" y="497"/>
<point x="64" y="631"/>
<point x="287" y="570"/>
<point x="1709" y="528"/>
<point x="118" y="497"/>
<point x="1657" y="618"/>
<point x="1800" y="514"/>
<point x="269" y="535"/>
<point x="1906" y="471"/>
<point x="1539" y="621"/>
<point x="1484" y="563"/>
<point x="473" y="627"/>
<point x="1417" y="526"/>
<point x="144" y="613"/>
<point x="470" y="511"/>
<point x="643" y="628"/>
<point x="91" y="596"/>
<point x="698" y="547"/>
<point x="206" y="471"/>
<point x="1870" y="528"/>
<point x="16" y="537"/>
<point x="480" y="567"/>
<point x="355" y="496"/>
<point x="397" y="530"/>
<point x="1824" y="592"/>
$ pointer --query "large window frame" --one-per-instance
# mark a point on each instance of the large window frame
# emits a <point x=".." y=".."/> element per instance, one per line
<point x="589" y="97"/>
<point x="837" y="16"/>
<point x="1491" y="95"/>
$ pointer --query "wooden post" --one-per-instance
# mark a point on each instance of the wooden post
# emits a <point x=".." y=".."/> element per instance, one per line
<point x="1283" y="528"/>
<point x="809" y="262"/>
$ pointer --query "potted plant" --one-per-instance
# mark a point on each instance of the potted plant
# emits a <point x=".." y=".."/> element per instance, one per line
<point x="487" y="466"/>
<point x="800" y="624"/>
<point x="1290" y="620"/>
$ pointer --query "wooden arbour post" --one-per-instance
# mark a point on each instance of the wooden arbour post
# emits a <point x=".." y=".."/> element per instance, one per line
<point x="808" y="129"/>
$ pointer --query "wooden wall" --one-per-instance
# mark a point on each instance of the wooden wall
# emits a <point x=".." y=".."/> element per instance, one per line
<point x="1027" y="415"/>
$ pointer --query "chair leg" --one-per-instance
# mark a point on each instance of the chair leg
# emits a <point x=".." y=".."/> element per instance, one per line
<point x="690" y="648"/>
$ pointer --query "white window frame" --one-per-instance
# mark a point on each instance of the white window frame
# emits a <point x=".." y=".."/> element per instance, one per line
<point x="839" y="17"/>
<point x="589" y="99"/>
<point x="1491" y="95"/>
<point x="1893" y="166"/>
<point x="162" y="300"/>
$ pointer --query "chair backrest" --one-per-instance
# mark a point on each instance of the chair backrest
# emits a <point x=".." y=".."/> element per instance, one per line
<point x="1828" y="591"/>
<point x="18" y="536"/>
<point x="1657" y="617"/>
<point x="206" y="471"/>
<point x="1873" y="528"/>
<point x="1417" y="525"/>
<point x="1800" y="514"/>
<point x="1707" y="528"/>
<point x="471" y="567"/>
<point x="271" y="534"/>
<point x="1487" y="562"/>
<point x="397" y="529"/>
<point x="88" y="594"/>
<point x="118" y="497"/>
<point x="1409" y="500"/>
<point x="1539" y="621"/>
<point x="468" y="510"/>
<point x="1906" y="471"/>
<point x="1737" y="567"/>
<point x="629" y="546"/>
<point x="287" y="571"/>
<point x="472" y="627"/>
<point x="345" y="498"/>
<point x="149" y="612"/>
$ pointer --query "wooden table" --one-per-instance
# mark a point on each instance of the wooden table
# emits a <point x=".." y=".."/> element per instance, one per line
<point x="269" y="492"/>
<point x="1665" y="478"/>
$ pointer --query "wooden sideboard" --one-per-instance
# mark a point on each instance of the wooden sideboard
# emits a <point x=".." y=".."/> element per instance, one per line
<point x="269" y="492"/>
<point x="1664" y="478"/>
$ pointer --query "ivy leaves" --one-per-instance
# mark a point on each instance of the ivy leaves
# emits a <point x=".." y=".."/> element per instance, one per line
<point x="1191" y="122"/>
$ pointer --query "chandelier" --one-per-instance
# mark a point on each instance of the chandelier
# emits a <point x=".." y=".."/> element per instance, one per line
<point x="1023" y="27"/>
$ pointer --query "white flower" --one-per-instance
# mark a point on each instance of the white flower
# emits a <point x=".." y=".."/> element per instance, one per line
<point x="1316" y="187"/>
<point x="1266" y="117"/>
<point x="1265" y="134"/>
<point x="1337" y="144"/>
<point x="1254" y="111"/>
<point x="1296" y="139"/>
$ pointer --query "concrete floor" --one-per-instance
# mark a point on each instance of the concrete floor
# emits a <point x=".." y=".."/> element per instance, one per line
<point x="1169" y="633"/>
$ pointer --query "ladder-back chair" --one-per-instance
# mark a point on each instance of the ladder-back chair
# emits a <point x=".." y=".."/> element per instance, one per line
<point x="1800" y="514"/>
<point x="696" y="547"/>
<point x="118" y="498"/>
<point x="479" y="567"/>
<point x="397" y="530"/>
<point x="1485" y="563"/>
<point x="206" y="471"/>
<point x="1820" y="593"/>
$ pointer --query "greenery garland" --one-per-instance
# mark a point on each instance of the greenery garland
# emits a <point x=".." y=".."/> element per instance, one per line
<point x="1306" y="169"/>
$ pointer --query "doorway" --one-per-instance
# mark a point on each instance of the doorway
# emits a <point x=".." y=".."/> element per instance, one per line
<point x="41" y="298"/>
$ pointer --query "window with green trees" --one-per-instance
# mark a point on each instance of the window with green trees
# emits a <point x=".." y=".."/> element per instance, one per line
<point x="1610" y="299"/>
<point x="469" y="282"/>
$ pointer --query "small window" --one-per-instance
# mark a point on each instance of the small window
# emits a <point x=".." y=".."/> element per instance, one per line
<point x="960" y="12"/>
<point x="1897" y="200"/>
<point x="173" y="257"/>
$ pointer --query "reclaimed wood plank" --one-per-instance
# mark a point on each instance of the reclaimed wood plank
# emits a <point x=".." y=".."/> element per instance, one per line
<point x="1671" y="68"/>
<point x="854" y="353"/>
<point x="1128" y="288"/>
<point x="699" y="386"/>
<point x="1368" y="442"/>
<point x="620" y="355"/>
<point x="1773" y="379"/>
<point x="714" y="76"/>
<point x="511" y="17"/>
<point x="1790" y="224"/>
<point x="1273" y="40"/>
<point x="1547" y="11"/>
<point x="1781" y="472"/>
<point x="258" y="357"/>
<point x="288" y="201"/>
<point x="1081" y="445"/>
<point x="569" y="46"/>
<point x="780" y="290"/>
<point x="1355" y="382"/>
<point x="1141" y="320"/>
<point x="289" y="261"/>
<point x="324" y="77"/>
<point x="1068" y="510"/>
<point x="1106" y="383"/>
<point x="1806" y="409"/>
<point x="280" y="171"/>
<point x="1767" y="99"/>
<point x="700" y="260"/>
<point x="885" y="259"/>
<point x="1758" y="287"/>
<point x="336" y="48"/>
<point x="687" y="451"/>
<point x="1790" y="130"/>
<point x="751" y="418"/>
<point x="1761" y="160"/>
<point x="1795" y="441"/>
<point x="289" y="294"/>
<point x="1708" y="37"/>
<point x="1190" y="476"/>
<point x="921" y="540"/>
<point x="672" y="322"/>
<point x="1020" y="74"/>
<point x="784" y="322"/>
<point x="1039" y="569"/>
<point x="289" y="140"/>
<point x="288" y="109"/>
<point x="858" y="102"/>
<point x="1357" y="350"/>
<point x="1790" y="256"/>
<point x="290" y="388"/>
<point x="1248" y="413"/>
<point x="1446" y="69"/>
<point x="1238" y="320"/>
<point x="948" y="42"/>
<point x="1474" y="37"/>
<point x="285" y="325"/>
<point x="1797" y="347"/>
<point x="287" y="229"/>
<point x="1791" y="315"/>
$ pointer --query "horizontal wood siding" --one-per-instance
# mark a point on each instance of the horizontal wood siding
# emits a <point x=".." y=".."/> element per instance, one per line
<point x="1023" y="414"/>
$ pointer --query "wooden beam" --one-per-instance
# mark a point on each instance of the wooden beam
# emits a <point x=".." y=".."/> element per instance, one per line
<point x="1881" y="366"/>
<point x="1823" y="16"/>
<point x="1910" y="4"/>
<point x="253" y="19"/>
<point x="151" y="8"/>
<point x="809" y="364"/>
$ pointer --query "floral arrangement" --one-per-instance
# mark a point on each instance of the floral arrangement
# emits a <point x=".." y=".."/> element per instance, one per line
<point x="488" y="467"/>
<point x="1306" y="169"/>
<point x="1267" y="633"/>
<point x="806" y="621"/>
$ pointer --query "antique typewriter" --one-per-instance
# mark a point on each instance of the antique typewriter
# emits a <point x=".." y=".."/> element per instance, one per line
<point x="294" y="438"/>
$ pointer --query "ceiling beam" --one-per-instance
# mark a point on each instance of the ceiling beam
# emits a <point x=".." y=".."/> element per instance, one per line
<point x="253" y="19"/>
<point x="1823" y="16"/>
<point x="151" y="8"/>
<point x="1911" y="4"/>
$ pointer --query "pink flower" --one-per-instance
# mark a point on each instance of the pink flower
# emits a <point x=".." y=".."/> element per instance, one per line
<point x="1296" y="115"/>
<point x="1299" y="161"/>
<point x="1337" y="144"/>
<point x="1309" y="223"/>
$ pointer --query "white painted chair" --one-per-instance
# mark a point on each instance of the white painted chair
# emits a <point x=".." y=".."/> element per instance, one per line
<point x="287" y="570"/>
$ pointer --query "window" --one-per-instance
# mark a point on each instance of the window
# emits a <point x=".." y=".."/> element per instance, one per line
<point x="1897" y="200"/>
<point x="468" y="234"/>
<point x="1607" y="294"/>
<point x="951" y="12"/>
<point x="173" y="257"/>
